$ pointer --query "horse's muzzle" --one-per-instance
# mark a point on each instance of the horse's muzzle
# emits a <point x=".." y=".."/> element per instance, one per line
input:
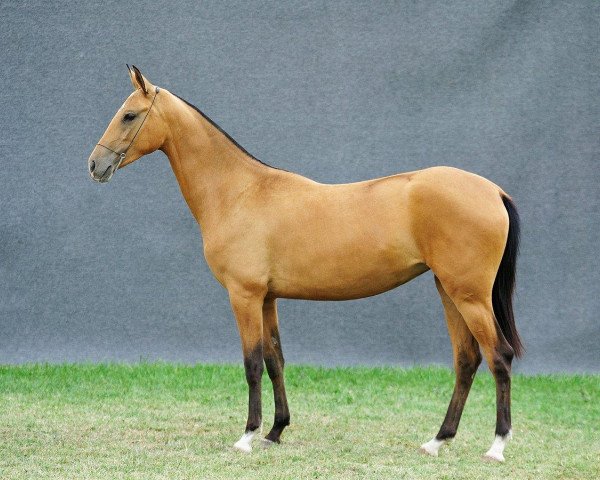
<point x="101" y="169"/>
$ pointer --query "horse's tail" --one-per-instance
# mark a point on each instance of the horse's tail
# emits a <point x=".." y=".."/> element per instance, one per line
<point x="504" y="284"/>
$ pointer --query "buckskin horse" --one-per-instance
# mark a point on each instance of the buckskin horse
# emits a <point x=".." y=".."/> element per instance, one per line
<point x="270" y="234"/>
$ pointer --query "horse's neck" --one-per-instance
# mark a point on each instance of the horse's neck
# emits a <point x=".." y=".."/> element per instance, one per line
<point x="211" y="170"/>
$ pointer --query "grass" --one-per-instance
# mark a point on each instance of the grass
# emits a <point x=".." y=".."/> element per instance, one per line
<point x="165" y="421"/>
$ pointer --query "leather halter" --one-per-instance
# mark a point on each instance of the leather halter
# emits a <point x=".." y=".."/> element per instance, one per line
<point x="123" y="154"/>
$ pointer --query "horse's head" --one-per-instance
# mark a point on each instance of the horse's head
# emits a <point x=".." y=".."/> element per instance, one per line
<point x="135" y="130"/>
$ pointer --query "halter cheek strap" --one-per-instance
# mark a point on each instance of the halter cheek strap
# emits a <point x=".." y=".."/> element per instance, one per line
<point x="123" y="154"/>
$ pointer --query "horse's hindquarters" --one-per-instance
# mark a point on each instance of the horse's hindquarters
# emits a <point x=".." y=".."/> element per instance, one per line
<point x="460" y="226"/>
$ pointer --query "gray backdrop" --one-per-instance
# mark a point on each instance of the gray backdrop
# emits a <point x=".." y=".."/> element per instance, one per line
<point x="338" y="92"/>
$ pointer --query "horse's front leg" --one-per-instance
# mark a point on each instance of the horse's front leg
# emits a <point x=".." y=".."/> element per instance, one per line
<point x="275" y="363"/>
<point x="247" y="308"/>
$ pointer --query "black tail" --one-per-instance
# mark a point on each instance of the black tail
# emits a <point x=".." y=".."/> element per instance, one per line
<point x="504" y="284"/>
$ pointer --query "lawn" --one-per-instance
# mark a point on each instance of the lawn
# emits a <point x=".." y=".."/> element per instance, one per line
<point x="151" y="421"/>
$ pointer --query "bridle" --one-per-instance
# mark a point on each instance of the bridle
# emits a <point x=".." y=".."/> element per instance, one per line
<point x="123" y="154"/>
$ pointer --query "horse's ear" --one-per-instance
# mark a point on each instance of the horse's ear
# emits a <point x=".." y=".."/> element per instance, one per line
<point x="132" y="77"/>
<point x="138" y="80"/>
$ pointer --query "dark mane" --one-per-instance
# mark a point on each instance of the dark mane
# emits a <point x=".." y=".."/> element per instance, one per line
<point x="214" y="124"/>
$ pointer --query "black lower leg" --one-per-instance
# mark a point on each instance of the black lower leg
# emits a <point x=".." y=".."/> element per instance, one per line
<point x="466" y="367"/>
<point x="275" y="364"/>
<point x="502" y="370"/>
<point x="253" y="364"/>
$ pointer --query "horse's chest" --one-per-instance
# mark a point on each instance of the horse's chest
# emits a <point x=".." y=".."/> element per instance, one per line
<point x="237" y="260"/>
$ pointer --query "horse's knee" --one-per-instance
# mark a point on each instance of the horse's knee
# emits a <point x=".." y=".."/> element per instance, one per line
<point x="254" y="376"/>
<point x="254" y="367"/>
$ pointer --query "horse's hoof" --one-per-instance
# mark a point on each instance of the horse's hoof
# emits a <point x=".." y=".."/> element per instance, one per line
<point x="431" y="447"/>
<point x="242" y="446"/>
<point x="493" y="457"/>
<point x="424" y="451"/>
<point x="496" y="451"/>
<point x="266" y="443"/>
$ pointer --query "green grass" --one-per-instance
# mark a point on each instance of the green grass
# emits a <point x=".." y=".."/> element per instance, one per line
<point x="151" y="421"/>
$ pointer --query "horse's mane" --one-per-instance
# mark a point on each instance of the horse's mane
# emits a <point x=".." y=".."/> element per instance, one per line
<point x="214" y="124"/>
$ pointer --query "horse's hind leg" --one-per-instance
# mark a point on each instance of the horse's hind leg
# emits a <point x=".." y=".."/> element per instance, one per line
<point x="466" y="361"/>
<point x="274" y="361"/>
<point x="479" y="317"/>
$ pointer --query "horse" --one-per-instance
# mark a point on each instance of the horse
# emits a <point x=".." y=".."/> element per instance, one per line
<point x="269" y="233"/>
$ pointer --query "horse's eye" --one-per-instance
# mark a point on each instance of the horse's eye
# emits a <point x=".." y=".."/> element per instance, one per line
<point x="128" y="117"/>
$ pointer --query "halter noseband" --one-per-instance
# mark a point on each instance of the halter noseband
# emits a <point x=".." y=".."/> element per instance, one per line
<point x="124" y="152"/>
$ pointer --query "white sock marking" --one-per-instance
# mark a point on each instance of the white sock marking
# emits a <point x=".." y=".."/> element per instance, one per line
<point x="432" y="446"/>
<point x="244" y="443"/>
<point x="496" y="451"/>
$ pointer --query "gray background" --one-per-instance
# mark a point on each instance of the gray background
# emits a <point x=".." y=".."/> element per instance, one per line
<point x="339" y="92"/>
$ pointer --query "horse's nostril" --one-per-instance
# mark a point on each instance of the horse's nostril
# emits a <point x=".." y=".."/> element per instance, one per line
<point x="92" y="166"/>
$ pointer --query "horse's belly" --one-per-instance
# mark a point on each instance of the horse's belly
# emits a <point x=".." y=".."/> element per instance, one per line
<point x="343" y="277"/>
